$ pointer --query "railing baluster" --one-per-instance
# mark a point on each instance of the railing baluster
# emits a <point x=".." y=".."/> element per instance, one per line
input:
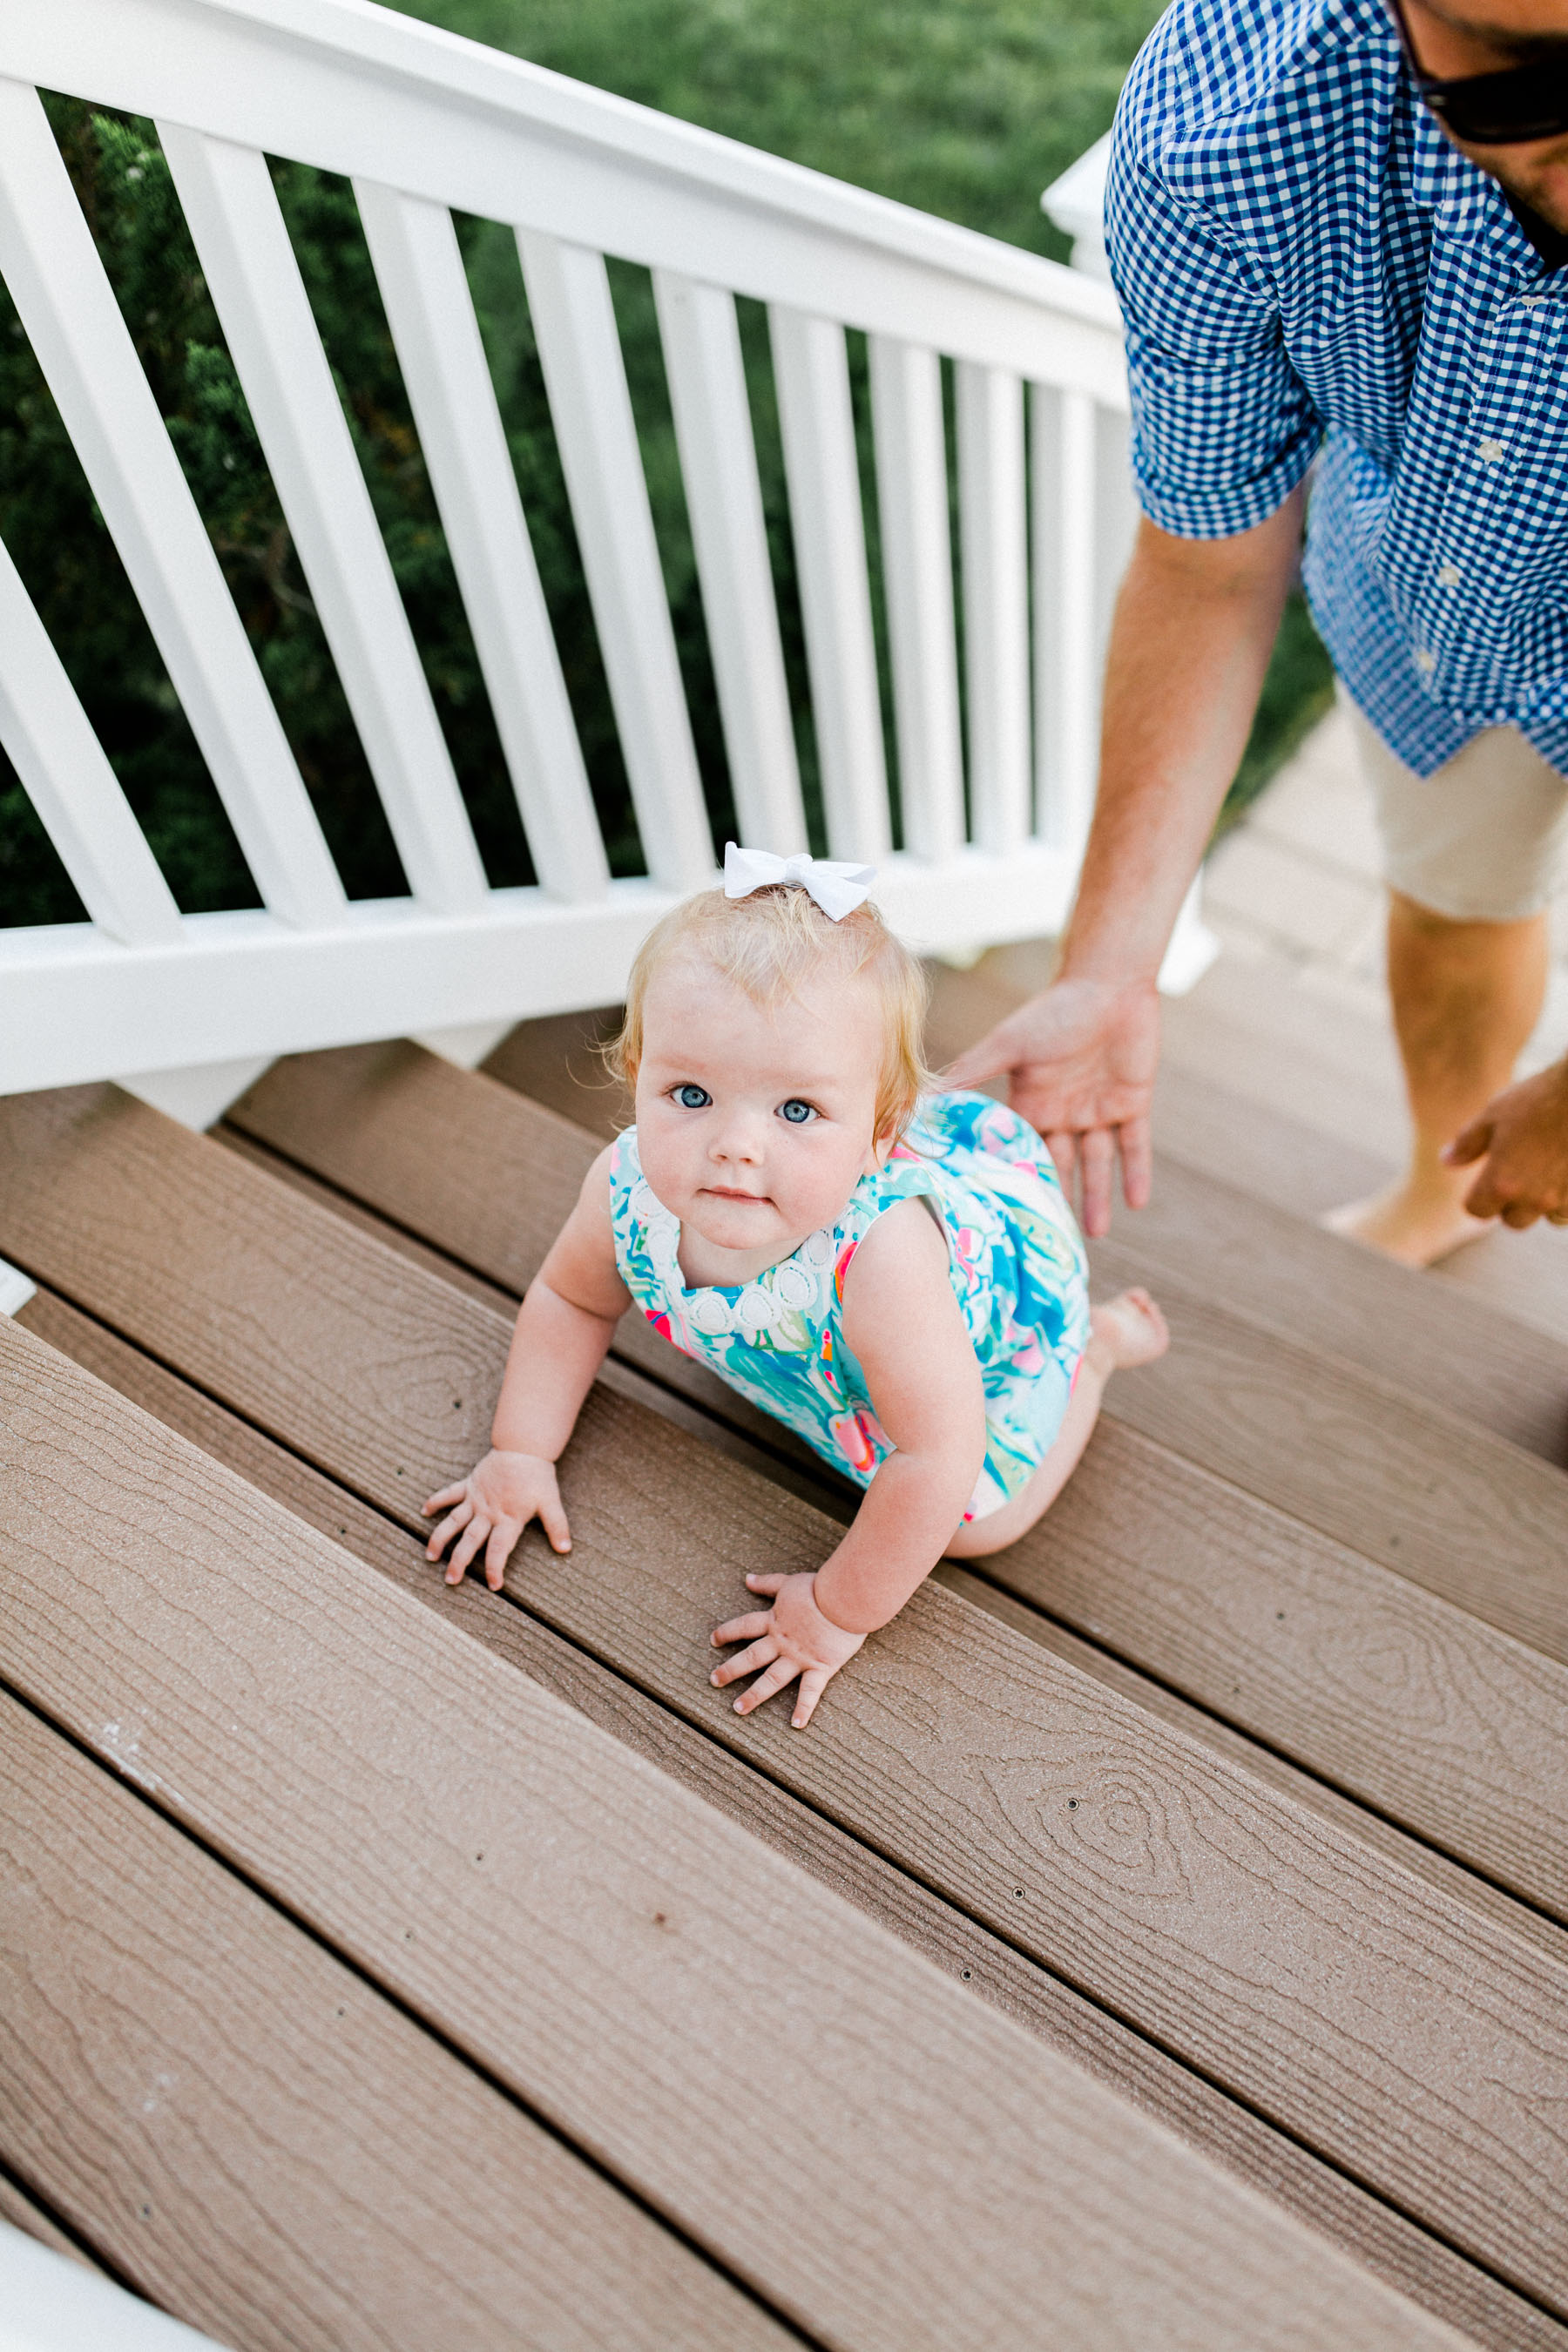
<point x="723" y="496"/>
<point x="817" y="420"/>
<point x="419" y="269"/>
<point x="67" y="305"/>
<point x="585" y="377"/>
<point x="70" y="783"/>
<point x="1067" y="674"/>
<point x="994" y="542"/>
<point x="232" y="210"/>
<point x="917" y="572"/>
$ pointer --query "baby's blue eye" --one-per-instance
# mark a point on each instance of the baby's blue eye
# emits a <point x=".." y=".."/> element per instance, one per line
<point x="693" y="1098"/>
<point x="795" y="1111"/>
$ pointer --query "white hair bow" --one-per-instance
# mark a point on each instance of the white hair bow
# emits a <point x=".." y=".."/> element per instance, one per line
<point x="838" y="889"/>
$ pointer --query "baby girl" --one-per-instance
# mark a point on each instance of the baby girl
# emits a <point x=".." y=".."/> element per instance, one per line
<point x="889" y="1269"/>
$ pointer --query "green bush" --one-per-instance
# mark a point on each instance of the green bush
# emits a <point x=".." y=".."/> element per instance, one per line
<point x="964" y="108"/>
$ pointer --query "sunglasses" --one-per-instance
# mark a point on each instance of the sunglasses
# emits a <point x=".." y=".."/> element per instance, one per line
<point x="1495" y="109"/>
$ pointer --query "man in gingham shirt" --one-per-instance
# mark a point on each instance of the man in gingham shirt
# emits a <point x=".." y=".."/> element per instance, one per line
<point x="1336" y="227"/>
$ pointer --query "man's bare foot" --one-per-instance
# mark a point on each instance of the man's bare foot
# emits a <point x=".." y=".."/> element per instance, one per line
<point x="1412" y="1223"/>
<point x="1127" y="1330"/>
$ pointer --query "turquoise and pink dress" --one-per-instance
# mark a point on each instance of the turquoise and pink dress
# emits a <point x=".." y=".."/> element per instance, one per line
<point x="1015" y="1259"/>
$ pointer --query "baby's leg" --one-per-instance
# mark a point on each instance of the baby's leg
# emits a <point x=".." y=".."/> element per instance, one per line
<point x="1127" y="1330"/>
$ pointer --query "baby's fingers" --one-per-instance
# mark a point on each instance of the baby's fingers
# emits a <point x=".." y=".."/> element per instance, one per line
<point x="499" y="1550"/>
<point x="442" y="1536"/>
<point x="781" y="1671"/>
<point x="467" y="1544"/>
<point x="813" y="1683"/>
<point x="741" y="1629"/>
<point x="552" y="1519"/>
<point x="768" y="1584"/>
<point x="446" y="1498"/>
<point x="760" y="1653"/>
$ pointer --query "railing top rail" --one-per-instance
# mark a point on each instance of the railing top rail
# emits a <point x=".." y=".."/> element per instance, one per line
<point x="276" y="74"/>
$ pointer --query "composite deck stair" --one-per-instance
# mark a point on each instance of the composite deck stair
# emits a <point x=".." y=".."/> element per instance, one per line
<point x="1235" y="1791"/>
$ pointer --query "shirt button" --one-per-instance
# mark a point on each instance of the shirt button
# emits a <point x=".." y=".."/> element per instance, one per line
<point x="1426" y="660"/>
<point x="1491" y="451"/>
<point x="1448" y="576"/>
<point x="1531" y="301"/>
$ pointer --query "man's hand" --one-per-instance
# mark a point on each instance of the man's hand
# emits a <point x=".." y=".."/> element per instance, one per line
<point x="1522" y="1138"/>
<point x="1080" y="1060"/>
<point x="491" y="1506"/>
<point x="791" y="1638"/>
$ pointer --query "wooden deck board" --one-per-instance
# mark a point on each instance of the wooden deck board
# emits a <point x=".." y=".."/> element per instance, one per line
<point x="1395" y="2249"/>
<point x="21" y="2211"/>
<point x="1468" y="1516"/>
<point x="462" y="1832"/>
<point x="1257" y="1942"/>
<point x="1451" y="1728"/>
<point x="260" y="2142"/>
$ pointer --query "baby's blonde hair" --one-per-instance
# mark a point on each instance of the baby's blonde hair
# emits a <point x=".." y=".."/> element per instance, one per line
<point x="769" y="944"/>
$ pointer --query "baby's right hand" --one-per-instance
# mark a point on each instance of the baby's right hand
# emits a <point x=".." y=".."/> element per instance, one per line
<point x="491" y="1506"/>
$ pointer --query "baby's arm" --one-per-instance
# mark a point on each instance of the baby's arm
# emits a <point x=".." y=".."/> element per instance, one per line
<point x="564" y="1327"/>
<point x="902" y="1322"/>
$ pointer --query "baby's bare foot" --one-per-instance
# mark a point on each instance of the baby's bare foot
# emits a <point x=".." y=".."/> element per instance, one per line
<point x="1414" y="1223"/>
<point x="1128" y="1330"/>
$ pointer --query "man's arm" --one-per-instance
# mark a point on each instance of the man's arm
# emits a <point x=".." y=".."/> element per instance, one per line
<point x="1194" y="624"/>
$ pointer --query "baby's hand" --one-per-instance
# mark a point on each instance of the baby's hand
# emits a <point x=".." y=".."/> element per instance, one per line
<point x="791" y="1638"/>
<point x="491" y="1506"/>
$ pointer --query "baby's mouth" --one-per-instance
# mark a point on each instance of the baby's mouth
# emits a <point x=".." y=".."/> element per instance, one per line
<point x="724" y="1192"/>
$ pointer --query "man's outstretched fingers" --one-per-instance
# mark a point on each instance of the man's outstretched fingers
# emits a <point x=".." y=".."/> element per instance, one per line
<point x="1098" y="1156"/>
<point x="1062" y="1145"/>
<point x="1137" y="1137"/>
<point x="1470" y="1143"/>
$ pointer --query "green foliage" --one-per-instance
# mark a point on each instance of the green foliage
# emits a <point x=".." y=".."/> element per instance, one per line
<point x="965" y="107"/>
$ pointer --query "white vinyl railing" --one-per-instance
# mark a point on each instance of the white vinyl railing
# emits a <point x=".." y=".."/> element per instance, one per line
<point x="424" y="123"/>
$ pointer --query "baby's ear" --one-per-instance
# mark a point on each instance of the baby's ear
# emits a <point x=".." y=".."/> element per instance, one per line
<point x="881" y="1151"/>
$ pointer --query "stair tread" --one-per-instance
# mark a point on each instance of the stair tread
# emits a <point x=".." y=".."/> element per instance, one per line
<point x="881" y="1759"/>
<point x="1002" y="2189"/>
<point x="1395" y="2249"/>
<point x="296" y="2126"/>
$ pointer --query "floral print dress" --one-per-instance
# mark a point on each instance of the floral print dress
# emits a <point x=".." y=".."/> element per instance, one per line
<point x="1015" y="1256"/>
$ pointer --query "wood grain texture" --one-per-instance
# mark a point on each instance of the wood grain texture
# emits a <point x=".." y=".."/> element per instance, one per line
<point x="19" y="2210"/>
<point x="261" y="2143"/>
<point x="1260" y="1942"/>
<point x="1256" y="1941"/>
<point x="461" y="1831"/>
<point x="1456" y="1731"/>
<point x="1464" y="1513"/>
<point x="557" y="1062"/>
<point x="1405" y="2257"/>
<point x="1444" y="1724"/>
<point x="1325" y="1294"/>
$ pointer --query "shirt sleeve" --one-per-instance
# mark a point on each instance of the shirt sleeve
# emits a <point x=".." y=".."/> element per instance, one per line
<point x="1223" y="427"/>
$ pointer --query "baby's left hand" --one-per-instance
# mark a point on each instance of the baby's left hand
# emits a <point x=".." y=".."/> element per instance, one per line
<point x="791" y="1638"/>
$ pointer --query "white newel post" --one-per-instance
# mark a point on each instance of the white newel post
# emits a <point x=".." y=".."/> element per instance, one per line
<point x="1076" y="204"/>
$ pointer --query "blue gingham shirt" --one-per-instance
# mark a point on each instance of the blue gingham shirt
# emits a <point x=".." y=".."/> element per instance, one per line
<point x="1304" y="260"/>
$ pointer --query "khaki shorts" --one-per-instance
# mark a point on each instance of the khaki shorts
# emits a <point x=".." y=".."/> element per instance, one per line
<point x="1483" y="839"/>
